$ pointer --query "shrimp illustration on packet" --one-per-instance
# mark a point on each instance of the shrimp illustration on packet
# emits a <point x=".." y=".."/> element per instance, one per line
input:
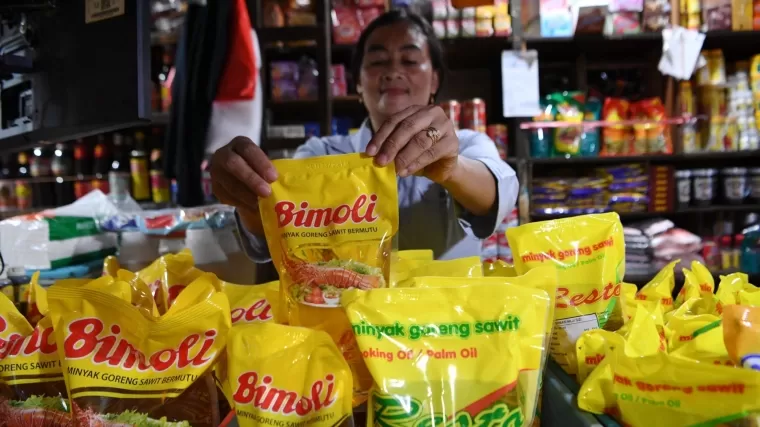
<point x="588" y="252"/>
<point x="329" y="224"/>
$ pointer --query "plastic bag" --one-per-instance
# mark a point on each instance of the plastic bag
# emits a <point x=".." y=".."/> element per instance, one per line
<point x="589" y="255"/>
<point x="451" y="353"/>
<point x="168" y="276"/>
<point x="285" y="375"/>
<point x="121" y="365"/>
<point x="460" y="267"/>
<point x="329" y="224"/>
<point x="741" y="335"/>
<point x="660" y="288"/>
<point x="697" y="282"/>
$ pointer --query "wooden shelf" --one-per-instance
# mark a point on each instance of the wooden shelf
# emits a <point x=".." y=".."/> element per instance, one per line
<point x="289" y="34"/>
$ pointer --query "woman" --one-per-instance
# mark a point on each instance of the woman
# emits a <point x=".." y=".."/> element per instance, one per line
<point x="399" y="68"/>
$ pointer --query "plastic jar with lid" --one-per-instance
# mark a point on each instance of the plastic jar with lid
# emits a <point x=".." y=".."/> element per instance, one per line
<point x="683" y="188"/>
<point x="754" y="184"/>
<point x="704" y="186"/>
<point x="735" y="188"/>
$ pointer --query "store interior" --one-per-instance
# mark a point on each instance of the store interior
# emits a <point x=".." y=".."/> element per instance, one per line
<point x="644" y="134"/>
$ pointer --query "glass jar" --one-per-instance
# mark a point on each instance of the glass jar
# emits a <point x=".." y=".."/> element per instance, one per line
<point x="735" y="188"/>
<point x="704" y="186"/>
<point x="683" y="188"/>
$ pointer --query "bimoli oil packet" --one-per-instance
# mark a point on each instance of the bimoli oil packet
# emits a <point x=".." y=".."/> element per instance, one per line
<point x="168" y="275"/>
<point x="125" y="368"/>
<point x="450" y="354"/>
<point x="32" y="389"/>
<point x="741" y="335"/>
<point x="248" y="303"/>
<point x="697" y="282"/>
<point x="660" y="288"/>
<point x="663" y="390"/>
<point x="329" y="224"/>
<point x="588" y="252"/>
<point x="286" y="375"/>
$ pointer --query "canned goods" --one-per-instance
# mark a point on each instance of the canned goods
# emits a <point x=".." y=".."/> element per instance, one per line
<point x="453" y="110"/>
<point x="498" y="134"/>
<point x="474" y="115"/>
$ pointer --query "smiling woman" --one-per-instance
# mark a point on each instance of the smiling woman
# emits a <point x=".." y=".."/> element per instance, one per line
<point x="451" y="182"/>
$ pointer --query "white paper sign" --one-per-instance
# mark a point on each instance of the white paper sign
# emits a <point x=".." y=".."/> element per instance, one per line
<point x="680" y="52"/>
<point x="519" y="83"/>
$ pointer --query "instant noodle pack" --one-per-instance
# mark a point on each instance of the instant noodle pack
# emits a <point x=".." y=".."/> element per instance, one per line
<point x="422" y="342"/>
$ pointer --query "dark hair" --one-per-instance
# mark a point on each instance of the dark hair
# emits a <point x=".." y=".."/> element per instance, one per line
<point x="393" y="17"/>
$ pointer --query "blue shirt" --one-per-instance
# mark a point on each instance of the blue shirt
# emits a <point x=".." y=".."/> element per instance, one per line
<point x="428" y="217"/>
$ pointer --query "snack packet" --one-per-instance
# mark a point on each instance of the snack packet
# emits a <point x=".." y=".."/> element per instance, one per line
<point x="285" y="375"/>
<point x="124" y="368"/>
<point x="741" y="335"/>
<point x="660" y="288"/>
<point x="451" y="354"/>
<point x="698" y="282"/>
<point x="665" y="390"/>
<point x="329" y="224"/>
<point x="459" y="267"/>
<point x="168" y="276"/>
<point x="32" y="389"/>
<point x="589" y="254"/>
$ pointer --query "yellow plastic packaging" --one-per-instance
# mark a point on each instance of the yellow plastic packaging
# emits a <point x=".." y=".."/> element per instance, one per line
<point x="460" y="267"/>
<point x="32" y="389"/>
<point x="451" y="354"/>
<point x="706" y="346"/>
<point x="682" y="326"/>
<point x="628" y="301"/>
<point x="741" y="335"/>
<point x="121" y="364"/>
<point x="663" y="390"/>
<point x="168" y="276"/>
<point x="728" y="289"/>
<point x="286" y="375"/>
<point x="544" y="278"/>
<point x="698" y="282"/>
<point x="592" y="348"/>
<point x="248" y="303"/>
<point x="597" y="393"/>
<point x="588" y="252"/>
<point x="660" y="288"/>
<point x="329" y="224"/>
<point x="499" y="268"/>
<point x="416" y="254"/>
<point x="111" y="266"/>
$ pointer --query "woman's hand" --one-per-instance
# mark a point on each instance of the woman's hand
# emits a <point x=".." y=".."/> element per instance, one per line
<point x="403" y="139"/>
<point x="240" y="174"/>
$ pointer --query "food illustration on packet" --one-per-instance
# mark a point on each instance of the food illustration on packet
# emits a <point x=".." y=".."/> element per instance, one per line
<point x="321" y="283"/>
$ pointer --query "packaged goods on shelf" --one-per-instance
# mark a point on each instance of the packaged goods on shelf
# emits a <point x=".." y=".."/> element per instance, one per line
<point x="350" y="18"/>
<point x="482" y="21"/>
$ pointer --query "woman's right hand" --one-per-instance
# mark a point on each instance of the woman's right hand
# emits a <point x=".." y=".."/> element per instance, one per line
<point x="240" y="174"/>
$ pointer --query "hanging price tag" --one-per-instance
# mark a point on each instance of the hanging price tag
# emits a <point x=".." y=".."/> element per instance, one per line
<point x="519" y="83"/>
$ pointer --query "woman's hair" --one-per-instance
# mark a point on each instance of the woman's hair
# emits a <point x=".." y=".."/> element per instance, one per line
<point x="412" y="19"/>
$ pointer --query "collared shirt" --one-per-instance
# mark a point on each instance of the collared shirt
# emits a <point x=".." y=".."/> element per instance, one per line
<point x="428" y="216"/>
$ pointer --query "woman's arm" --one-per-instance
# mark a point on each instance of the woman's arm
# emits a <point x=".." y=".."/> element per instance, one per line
<point x="473" y="186"/>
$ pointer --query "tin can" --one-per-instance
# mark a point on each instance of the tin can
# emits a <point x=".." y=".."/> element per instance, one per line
<point x="453" y="110"/>
<point x="474" y="115"/>
<point x="498" y="134"/>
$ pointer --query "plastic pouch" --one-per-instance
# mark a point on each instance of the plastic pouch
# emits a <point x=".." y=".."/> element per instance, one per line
<point x="329" y="224"/>
<point x="32" y="389"/>
<point x="592" y="348"/>
<point x="451" y="353"/>
<point x="698" y="282"/>
<point x="705" y="346"/>
<point x="669" y="391"/>
<point x="660" y="288"/>
<point x="125" y="368"/>
<point x="168" y="276"/>
<point x="741" y="335"/>
<point x="682" y="327"/>
<point x="498" y="268"/>
<point x="589" y="255"/>
<point x="460" y="267"/>
<point x="111" y="266"/>
<point x="284" y="375"/>
<point x="728" y="289"/>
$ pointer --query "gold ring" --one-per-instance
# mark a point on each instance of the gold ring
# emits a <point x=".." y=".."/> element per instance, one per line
<point x="433" y="134"/>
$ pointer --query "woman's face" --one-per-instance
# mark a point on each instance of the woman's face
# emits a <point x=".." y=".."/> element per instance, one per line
<point x="396" y="71"/>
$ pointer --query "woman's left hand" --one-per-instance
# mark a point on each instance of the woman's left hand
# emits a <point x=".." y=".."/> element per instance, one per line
<point x="404" y="139"/>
